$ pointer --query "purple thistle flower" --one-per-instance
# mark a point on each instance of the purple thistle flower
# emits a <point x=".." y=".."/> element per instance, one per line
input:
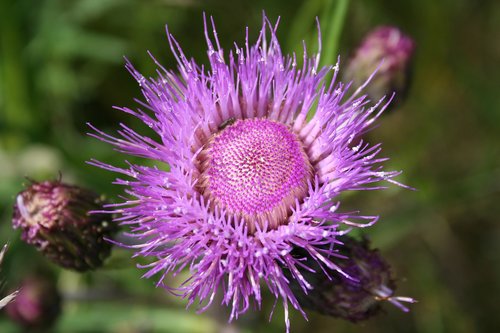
<point x="250" y="177"/>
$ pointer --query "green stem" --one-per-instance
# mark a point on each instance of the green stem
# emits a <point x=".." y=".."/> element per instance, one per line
<point x="16" y="100"/>
<point x="332" y="36"/>
<point x="301" y="24"/>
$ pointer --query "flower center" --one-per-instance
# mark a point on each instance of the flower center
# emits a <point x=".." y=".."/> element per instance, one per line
<point x="255" y="169"/>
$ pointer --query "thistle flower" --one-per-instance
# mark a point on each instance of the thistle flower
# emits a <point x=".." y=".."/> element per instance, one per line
<point x="56" y="218"/>
<point x="250" y="177"/>
<point x="356" y="297"/>
<point x="5" y="300"/>
<point x="389" y="51"/>
<point x="38" y="304"/>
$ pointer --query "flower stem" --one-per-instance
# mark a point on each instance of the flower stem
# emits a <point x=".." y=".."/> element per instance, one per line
<point x="335" y="22"/>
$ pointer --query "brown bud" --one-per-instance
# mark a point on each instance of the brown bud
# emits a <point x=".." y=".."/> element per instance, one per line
<point x="57" y="219"/>
<point x="354" y="297"/>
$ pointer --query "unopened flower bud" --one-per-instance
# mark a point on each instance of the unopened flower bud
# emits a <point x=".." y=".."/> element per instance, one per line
<point x="389" y="50"/>
<point x="37" y="305"/>
<point x="5" y="300"/>
<point x="57" y="219"/>
<point x="355" y="295"/>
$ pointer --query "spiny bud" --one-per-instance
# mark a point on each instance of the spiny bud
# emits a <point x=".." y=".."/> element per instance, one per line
<point x="37" y="305"/>
<point x="56" y="218"/>
<point x="389" y="50"/>
<point x="5" y="300"/>
<point x="356" y="296"/>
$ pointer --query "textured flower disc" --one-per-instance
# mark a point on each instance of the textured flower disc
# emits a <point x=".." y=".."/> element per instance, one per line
<point x="255" y="169"/>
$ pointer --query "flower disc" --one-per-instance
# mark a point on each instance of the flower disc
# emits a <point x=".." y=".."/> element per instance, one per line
<point x="255" y="169"/>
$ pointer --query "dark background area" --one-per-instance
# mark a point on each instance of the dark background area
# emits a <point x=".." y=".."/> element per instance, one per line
<point x="61" y="65"/>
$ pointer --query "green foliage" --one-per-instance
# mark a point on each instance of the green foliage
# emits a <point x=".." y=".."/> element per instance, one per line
<point x="61" y="65"/>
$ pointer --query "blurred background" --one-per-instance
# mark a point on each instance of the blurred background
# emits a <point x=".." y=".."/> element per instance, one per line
<point x="61" y="65"/>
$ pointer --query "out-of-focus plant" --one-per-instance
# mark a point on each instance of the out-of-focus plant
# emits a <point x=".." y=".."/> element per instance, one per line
<point x="6" y="299"/>
<point x="389" y="52"/>
<point x="38" y="303"/>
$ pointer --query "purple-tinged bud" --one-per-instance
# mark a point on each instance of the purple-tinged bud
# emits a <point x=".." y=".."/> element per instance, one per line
<point x="354" y="297"/>
<point x="5" y="300"/>
<point x="57" y="219"/>
<point x="37" y="305"/>
<point x="389" y="50"/>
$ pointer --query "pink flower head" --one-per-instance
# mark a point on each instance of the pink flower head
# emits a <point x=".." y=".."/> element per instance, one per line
<point x="389" y="51"/>
<point x="251" y="176"/>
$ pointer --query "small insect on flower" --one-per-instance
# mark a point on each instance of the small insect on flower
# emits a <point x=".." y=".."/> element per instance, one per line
<point x="250" y="177"/>
<point x="226" y="123"/>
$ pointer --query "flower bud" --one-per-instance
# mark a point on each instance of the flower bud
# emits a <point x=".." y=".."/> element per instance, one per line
<point x="56" y="218"/>
<point x="389" y="50"/>
<point x="37" y="305"/>
<point x="5" y="300"/>
<point x="356" y="296"/>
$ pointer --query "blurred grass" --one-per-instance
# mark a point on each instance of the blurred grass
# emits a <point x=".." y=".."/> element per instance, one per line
<point x="61" y="65"/>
